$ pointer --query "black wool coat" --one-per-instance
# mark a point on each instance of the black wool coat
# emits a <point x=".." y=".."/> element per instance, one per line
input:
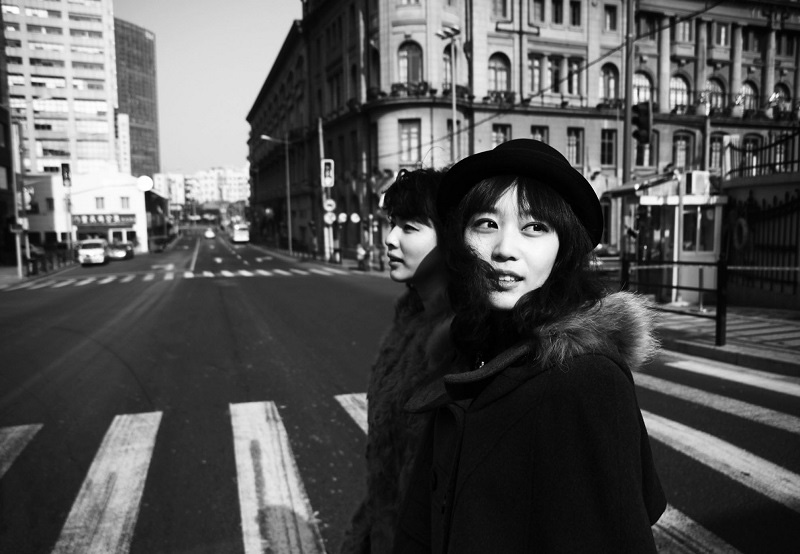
<point x="543" y="449"/>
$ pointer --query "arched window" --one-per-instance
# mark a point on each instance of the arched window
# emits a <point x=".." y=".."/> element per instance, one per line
<point x="715" y="92"/>
<point x="749" y="96"/>
<point x="499" y="73"/>
<point x="678" y="93"/>
<point x="410" y="62"/>
<point x="609" y="78"/>
<point x="715" y="154"/>
<point x="642" y="87"/>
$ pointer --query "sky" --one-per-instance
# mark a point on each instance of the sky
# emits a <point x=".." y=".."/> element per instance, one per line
<point x="212" y="56"/>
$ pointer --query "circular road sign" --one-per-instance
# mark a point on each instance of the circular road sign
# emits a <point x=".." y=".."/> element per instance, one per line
<point x="342" y="217"/>
<point x="355" y="218"/>
<point x="329" y="218"/>
<point x="329" y="204"/>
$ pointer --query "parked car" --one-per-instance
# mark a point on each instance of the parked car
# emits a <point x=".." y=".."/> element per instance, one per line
<point x="93" y="251"/>
<point x="209" y="234"/>
<point x="120" y="250"/>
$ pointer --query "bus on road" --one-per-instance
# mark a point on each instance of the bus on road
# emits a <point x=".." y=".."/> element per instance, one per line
<point x="239" y="232"/>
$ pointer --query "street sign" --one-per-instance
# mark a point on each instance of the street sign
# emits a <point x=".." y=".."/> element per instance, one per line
<point x="355" y="218"/>
<point x="329" y="204"/>
<point x="326" y="172"/>
<point x="342" y="217"/>
<point x="329" y="218"/>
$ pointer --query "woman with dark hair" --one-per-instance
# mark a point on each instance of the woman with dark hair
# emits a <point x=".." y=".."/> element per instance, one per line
<point x="402" y="361"/>
<point x="536" y="443"/>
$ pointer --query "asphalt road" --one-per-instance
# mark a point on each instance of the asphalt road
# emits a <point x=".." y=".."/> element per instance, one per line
<point x="210" y="399"/>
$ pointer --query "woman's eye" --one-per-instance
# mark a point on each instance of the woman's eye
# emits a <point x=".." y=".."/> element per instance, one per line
<point x="409" y="228"/>
<point x="484" y="223"/>
<point x="537" y="227"/>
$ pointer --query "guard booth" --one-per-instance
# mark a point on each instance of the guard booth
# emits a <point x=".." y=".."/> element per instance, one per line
<point x="675" y="217"/>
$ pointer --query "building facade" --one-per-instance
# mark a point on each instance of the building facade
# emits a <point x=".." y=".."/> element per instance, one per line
<point x="136" y="89"/>
<point x="368" y="83"/>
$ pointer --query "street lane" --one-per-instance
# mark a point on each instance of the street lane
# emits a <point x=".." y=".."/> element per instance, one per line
<point x="294" y="344"/>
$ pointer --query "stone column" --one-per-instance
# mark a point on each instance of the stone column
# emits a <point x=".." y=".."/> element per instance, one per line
<point x="564" y="73"/>
<point x="701" y="67"/>
<point x="664" y="55"/>
<point x="768" y="78"/>
<point x="736" y="64"/>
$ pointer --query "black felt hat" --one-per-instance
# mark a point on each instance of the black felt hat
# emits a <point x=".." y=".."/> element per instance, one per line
<point x="524" y="158"/>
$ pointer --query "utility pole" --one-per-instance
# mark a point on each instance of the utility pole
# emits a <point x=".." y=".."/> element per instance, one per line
<point x="627" y="138"/>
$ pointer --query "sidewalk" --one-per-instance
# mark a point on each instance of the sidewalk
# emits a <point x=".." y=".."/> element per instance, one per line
<point x="763" y="339"/>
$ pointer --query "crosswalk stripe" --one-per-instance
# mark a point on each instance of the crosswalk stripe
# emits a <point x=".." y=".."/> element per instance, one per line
<point x="41" y="285"/>
<point x="724" y="404"/>
<point x="226" y="273"/>
<point x="759" y="474"/>
<point x="188" y="275"/>
<point x="676" y="533"/>
<point x="299" y="271"/>
<point x="752" y="377"/>
<point x="20" y="286"/>
<point x="104" y="514"/>
<point x="64" y="283"/>
<point x="356" y="407"/>
<point x="245" y="273"/>
<point x="337" y="271"/>
<point x="107" y="280"/>
<point x="276" y="513"/>
<point x="208" y="274"/>
<point x="264" y="272"/>
<point x="13" y="441"/>
<point x="128" y="278"/>
<point x="320" y="272"/>
<point x="282" y="272"/>
<point x="85" y="281"/>
<point x="169" y="275"/>
<point x="149" y="277"/>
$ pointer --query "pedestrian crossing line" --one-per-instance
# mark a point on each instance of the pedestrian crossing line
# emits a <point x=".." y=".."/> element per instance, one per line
<point x="21" y="286"/>
<point x="104" y="514"/>
<point x="320" y="272"/>
<point x="149" y="277"/>
<point x="85" y="281"/>
<point x="64" y="283"/>
<point x="41" y="285"/>
<point x="169" y="275"/>
<point x="754" y="472"/>
<point x="13" y="441"/>
<point x="107" y="280"/>
<point x="299" y="271"/>
<point x="276" y="513"/>
<point x="723" y="404"/>
<point x="761" y="379"/>
<point x="264" y="272"/>
<point x="128" y="278"/>
<point x="676" y="533"/>
<point x="208" y="274"/>
<point x="336" y="271"/>
<point x="356" y="407"/>
<point x="245" y="273"/>
<point x="188" y="275"/>
<point x="226" y="273"/>
<point x="282" y="272"/>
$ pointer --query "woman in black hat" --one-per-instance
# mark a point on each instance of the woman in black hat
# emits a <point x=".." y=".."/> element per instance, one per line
<point x="536" y="442"/>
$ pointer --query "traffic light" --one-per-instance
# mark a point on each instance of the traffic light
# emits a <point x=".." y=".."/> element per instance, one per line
<point x="66" y="175"/>
<point x="326" y="172"/>
<point x="642" y="121"/>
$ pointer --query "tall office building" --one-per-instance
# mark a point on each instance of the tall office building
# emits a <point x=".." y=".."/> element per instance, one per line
<point x="137" y="124"/>
<point x="62" y="84"/>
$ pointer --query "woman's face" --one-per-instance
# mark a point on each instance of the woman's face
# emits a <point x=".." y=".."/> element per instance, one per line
<point x="521" y="249"/>
<point x="408" y="243"/>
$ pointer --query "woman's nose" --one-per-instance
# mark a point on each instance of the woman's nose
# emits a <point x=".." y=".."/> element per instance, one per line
<point x="507" y="245"/>
<point x="391" y="238"/>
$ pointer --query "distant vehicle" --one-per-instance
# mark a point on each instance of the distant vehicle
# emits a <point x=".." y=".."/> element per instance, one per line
<point x="209" y="234"/>
<point x="120" y="250"/>
<point x="239" y="232"/>
<point x="93" y="251"/>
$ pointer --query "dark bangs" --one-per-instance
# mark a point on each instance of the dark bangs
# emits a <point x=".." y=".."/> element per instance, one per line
<point x="413" y="196"/>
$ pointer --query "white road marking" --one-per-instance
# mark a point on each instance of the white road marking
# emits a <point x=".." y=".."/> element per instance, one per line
<point x="264" y="272"/>
<point x="276" y="513"/>
<point x="21" y="286"/>
<point x="41" y="285"/>
<point x="13" y="441"/>
<point x="128" y="278"/>
<point x="217" y="260"/>
<point x="169" y="275"/>
<point x="188" y="275"/>
<point x="245" y="273"/>
<point x="724" y="404"/>
<point x="208" y="274"/>
<point x="759" y="474"/>
<point x="107" y="280"/>
<point x="761" y="379"/>
<point x="282" y="272"/>
<point x="64" y="283"/>
<point x="149" y="277"/>
<point x="104" y="514"/>
<point x="165" y="267"/>
<point x="321" y="272"/>
<point x="356" y="407"/>
<point x="299" y="271"/>
<point x="675" y="533"/>
<point x="85" y="282"/>
<point x="337" y="271"/>
<point x="226" y="273"/>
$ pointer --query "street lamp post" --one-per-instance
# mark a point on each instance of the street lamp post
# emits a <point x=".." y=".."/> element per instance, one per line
<point x="288" y="194"/>
<point x="451" y="33"/>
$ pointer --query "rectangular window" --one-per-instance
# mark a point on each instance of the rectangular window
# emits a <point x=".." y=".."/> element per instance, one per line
<point x="44" y="29"/>
<point x="535" y="69"/>
<point x="715" y="161"/>
<point x="683" y="31"/>
<point x="500" y="9"/>
<point x="647" y="27"/>
<point x="540" y="133"/>
<point x="408" y="2"/>
<point x="41" y="62"/>
<point x="99" y="203"/>
<point x="85" y="17"/>
<point x="682" y="151"/>
<point x="558" y="12"/>
<point x="410" y="147"/>
<point x="721" y="36"/>
<point x="610" y="17"/>
<point x="85" y="33"/>
<point x="698" y="228"/>
<point x="574" y="80"/>
<point x="124" y="203"/>
<point x="608" y="147"/>
<point x="500" y="133"/>
<point x="575" y="13"/>
<point x="536" y="12"/>
<point x="575" y="145"/>
<point x="555" y="74"/>
<point x="46" y="46"/>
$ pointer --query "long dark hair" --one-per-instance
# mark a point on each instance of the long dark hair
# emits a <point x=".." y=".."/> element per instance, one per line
<point x="572" y="284"/>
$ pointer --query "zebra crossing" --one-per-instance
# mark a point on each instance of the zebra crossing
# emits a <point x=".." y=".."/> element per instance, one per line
<point x="276" y="513"/>
<point x="152" y="276"/>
